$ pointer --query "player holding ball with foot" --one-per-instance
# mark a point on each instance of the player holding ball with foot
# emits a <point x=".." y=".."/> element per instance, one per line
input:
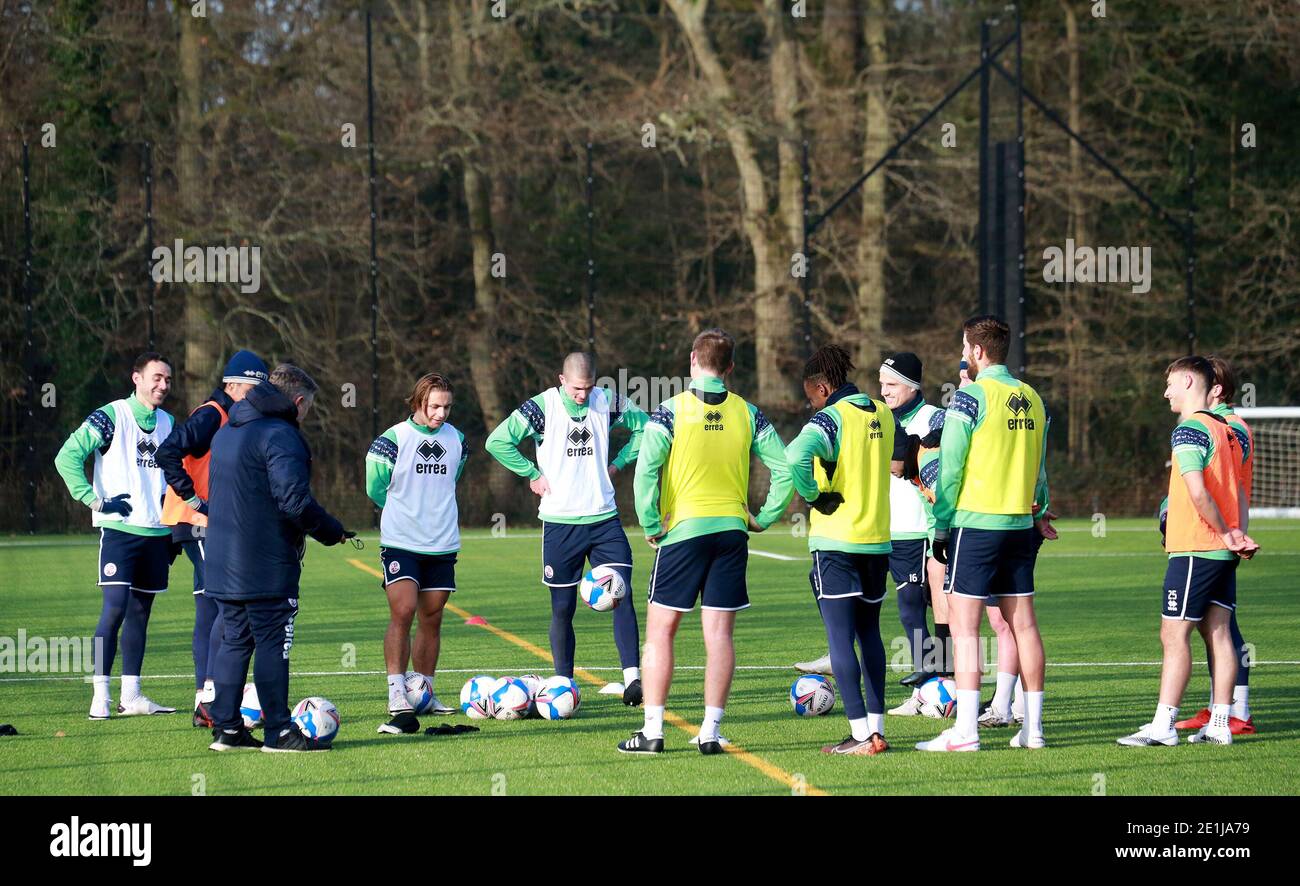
<point x="411" y="472"/>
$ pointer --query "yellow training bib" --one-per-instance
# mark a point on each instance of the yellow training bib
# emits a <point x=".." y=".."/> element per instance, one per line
<point x="861" y="475"/>
<point x="1005" y="451"/>
<point x="707" y="472"/>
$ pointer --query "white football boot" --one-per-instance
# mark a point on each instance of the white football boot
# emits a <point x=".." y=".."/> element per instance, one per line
<point x="949" y="741"/>
<point x="398" y="703"/>
<point x="910" y="707"/>
<point x="101" y="708"/>
<point x="1144" y="738"/>
<point x="1210" y="735"/>
<point x="816" y="666"/>
<point x="1019" y="740"/>
<point x="438" y="707"/>
<point x="142" y="706"/>
<point x="993" y="718"/>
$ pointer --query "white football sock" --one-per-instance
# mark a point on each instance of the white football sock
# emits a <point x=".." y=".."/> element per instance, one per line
<point x="968" y="712"/>
<point x="1163" y="722"/>
<point x="1241" y="702"/>
<point x="396" y="683"/>
<point x="876" y="724"/>
<point x="101" y="688"/>
<point x="859" y="728"/>
<point x="654" y="721"/>
<point x="712" y="719"/>
<point x="198" y="697"/>
<point x="630" y="674"/>
<point x="1219" y="716"/>
<point x="130" y="687"/>
<point x="1002" y="697"/>
<point x="209" y="692"/>
<point x="1034" y="713"/>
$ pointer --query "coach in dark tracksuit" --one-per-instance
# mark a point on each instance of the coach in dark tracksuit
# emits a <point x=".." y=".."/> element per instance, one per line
<point x="260" y="511"/>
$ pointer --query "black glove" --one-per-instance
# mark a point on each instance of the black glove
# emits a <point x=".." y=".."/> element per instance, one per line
<point x="911" y="467"/>
<point x="939" y="548"/>
<point x="444" y="729"/>
<point x="118" y="504"/>
<point x="1164" y="522"/>
<point x="6" y="729"/>
<point x="827" y="502"/>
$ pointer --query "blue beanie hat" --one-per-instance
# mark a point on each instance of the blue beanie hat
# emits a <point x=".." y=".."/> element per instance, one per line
<point x="245" y="368"/>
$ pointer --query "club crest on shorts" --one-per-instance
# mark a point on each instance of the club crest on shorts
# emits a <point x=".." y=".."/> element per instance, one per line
<point x="394" y="567"/>
<point x="548" y="572"/>
<point x="110" y="569"/>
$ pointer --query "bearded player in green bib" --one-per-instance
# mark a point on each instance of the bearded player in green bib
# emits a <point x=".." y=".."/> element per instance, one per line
<point x="990" y="475"/>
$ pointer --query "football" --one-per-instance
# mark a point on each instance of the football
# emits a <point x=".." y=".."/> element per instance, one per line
<point x="476" y="697"/>
<point x="812" y="695"/>
<point x="250" y="708"/>
<point x="602" y="588"/>
<point x="938" y="697"/>
<point x="511" y="699"/>
<point x="316" y="718"/>
<point x="419" y="692"/>
<point x="558" y="699"/>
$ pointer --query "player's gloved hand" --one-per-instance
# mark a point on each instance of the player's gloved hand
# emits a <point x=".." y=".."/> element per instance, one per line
<point x="1164" y="522"/>
<point x="118" y="504"/>
<point x="940" y="546"/>
<point x="827" y="503"/>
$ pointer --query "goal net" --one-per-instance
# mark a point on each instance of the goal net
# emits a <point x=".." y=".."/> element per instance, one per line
<point x="1276" y="488"/>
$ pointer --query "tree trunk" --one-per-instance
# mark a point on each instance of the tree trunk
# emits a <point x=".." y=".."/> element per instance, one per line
<point x="871" y="244"/>
<point x="478" y="202"/>
<point x="1079" y="396"/>
<point x="773" y="319"/>
<point x="201" y="355"/>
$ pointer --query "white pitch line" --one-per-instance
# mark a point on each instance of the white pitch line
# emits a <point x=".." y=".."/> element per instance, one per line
<point x="524" y="669"/>
<point x="774" y="556"/>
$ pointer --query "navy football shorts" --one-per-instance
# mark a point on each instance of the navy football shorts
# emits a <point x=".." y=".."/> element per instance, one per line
<point x="837" y="574"/>
<point x="711" y="566"/>
<point x="138" y="561"/>
<point x="566" y="546"/>
<point x="984" y="563"/>
<point x="1192" y="584"/>
<point x="907" y="560"/>
<point x="430" y="572"/>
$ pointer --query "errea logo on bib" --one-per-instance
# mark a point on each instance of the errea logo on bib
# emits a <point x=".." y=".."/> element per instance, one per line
<point x="580" y="436"/>
<point x="431" y="451"/>
<point x="1019" y="406"/>
<point x="713" y="421"/>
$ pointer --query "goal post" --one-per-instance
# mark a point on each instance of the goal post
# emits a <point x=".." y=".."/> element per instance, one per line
<point x="1276" y="430"/>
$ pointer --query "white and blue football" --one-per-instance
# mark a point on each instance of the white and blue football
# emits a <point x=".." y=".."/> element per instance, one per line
<point x="558" y="698"/>
<point x="938" y="697"/>
<point x="812" y="695"/>
<point x="419" y="691"/>
<point x="476" y="697"/>
<point x="316" y="718"/>
<point x="602" y="588"/>
<point x="250" y="708"/>
<point x="511" y="699"/>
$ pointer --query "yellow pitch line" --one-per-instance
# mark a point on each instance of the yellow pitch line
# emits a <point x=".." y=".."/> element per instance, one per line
<point x="773" y="772"/>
